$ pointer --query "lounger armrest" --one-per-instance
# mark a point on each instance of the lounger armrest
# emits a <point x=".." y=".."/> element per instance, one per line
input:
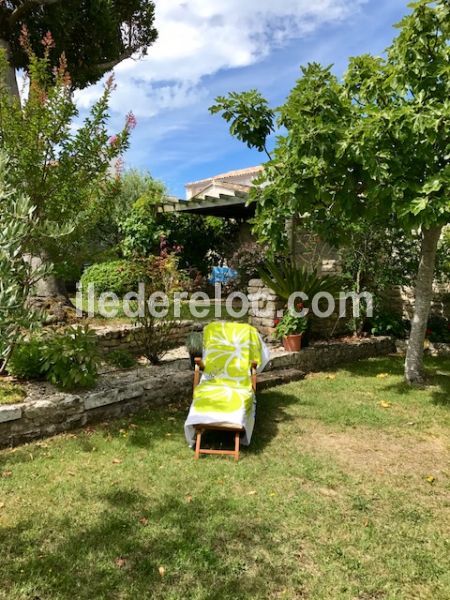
<point x="254" y="366"/>
<point x="199" y="363"/>
<point x="199" y="366"/>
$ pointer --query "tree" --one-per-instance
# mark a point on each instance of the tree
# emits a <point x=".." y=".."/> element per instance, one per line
<point x="17" y="224"/>
<point x="94" y="35"/>
<point x="203" y="240"/>
<point x="66" y="172"/>
<point x="250" y="117"/>
<point x="139" y="227"/>
<point x="401" y="139"/>
<point x="374" y="146"/>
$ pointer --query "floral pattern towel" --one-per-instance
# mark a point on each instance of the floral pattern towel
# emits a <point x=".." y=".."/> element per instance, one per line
<point x="224" y="394"/>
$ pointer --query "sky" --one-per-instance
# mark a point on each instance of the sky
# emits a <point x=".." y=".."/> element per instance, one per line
<point x="208" y="48"/>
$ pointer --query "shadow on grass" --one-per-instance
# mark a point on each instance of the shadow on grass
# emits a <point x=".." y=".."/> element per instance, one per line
<point x="121" y="554"/>
<point x="270" y="412"/>
<point x="437" y="375"/>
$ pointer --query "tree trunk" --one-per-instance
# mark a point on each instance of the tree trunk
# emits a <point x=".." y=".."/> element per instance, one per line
<point x="423" y="298"/>
<point x="10" y="80"/>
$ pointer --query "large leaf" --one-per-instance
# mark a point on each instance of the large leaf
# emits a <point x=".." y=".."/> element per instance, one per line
<point x="286" y="278"/>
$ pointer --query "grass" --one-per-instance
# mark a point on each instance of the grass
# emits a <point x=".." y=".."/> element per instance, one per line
<point x="10" y="393"/>
<point x="208" y="313"/>
<point x="342" y="494"/>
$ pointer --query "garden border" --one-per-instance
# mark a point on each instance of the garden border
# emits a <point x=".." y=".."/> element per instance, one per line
<point x="44" y="414"/>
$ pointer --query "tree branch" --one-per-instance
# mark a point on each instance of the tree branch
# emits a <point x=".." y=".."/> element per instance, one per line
<point x="26" y="6"/>
<point x="107" y="66"/>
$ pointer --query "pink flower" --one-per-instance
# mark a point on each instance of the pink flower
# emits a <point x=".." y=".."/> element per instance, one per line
<point x="113" y="140"/>
<point x="110" y="85"/>
<point x="24" y="38"/>
<point x="118" y="167"/>
<point x="48" y="41"/>
<point x="131" y="121"/>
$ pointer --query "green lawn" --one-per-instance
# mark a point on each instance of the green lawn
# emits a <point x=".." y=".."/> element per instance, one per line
<point x="10" y="393"/>
<point x="344" y="493"/>
<point x="208" y="313"/>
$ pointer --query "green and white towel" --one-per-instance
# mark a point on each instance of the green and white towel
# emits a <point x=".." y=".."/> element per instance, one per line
<point x="224" y="394"/>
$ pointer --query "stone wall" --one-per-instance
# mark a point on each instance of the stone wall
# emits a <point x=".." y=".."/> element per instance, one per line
<point x="266" y="307"/>
<point x="400" y="300"/>
<point x="435" y="349"/>
<point x="46" y="412"/>
<point x="127" y="337"/>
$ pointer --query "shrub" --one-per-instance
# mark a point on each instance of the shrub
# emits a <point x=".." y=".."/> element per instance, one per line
<point x="68" y="359"/>
<point x="247" y="261"/>
<point x="122" y="359"/>
<point x="438" y="329"/>
<point x="118" y="276"/>
<point x="27" y="360"/>
<point x="153" y="330"/>
<point x="71" y="359"/>
<point x="285" y="278"/>
<point x="385" y="323"/>
<point x="194" y="343"/>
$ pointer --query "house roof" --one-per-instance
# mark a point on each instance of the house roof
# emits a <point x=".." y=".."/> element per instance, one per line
<point x="217" y="196"/>
<point x="228" y="185"/>
<point x="231" y="174"/>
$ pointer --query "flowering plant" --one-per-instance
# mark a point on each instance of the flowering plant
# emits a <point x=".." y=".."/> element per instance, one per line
<point x="291" y="324"/>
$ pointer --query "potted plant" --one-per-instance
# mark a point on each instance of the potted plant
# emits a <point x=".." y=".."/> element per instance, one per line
<point x="194" y="344"/>
<point x="290" y="330"/>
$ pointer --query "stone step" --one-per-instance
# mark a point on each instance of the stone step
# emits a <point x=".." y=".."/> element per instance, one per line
<point x="273" y="378"/>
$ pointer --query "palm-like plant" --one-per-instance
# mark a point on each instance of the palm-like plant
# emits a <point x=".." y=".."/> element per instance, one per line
<point x="286" y="278"/>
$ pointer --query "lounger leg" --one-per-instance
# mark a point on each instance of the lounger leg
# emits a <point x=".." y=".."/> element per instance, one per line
<point x="237" y="438"/>
<point x="197" y="444"/>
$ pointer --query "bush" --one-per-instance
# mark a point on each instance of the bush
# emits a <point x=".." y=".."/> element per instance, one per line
<point x="68" y="359"/>
<point x="118" y="276"/>
<point x="389" y="324"/>
<point x="154" y="330"/>
<point x="27" y="360"/>
<point x="194" y="343"/>
<point x="123" y="359"/>
<point x="71" y="359"/>
<point x="247" y="261"/>
<point x="438" y="329"/>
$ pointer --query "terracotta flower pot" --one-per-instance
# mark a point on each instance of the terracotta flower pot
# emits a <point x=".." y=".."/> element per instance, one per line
<point x="293" y="343"/>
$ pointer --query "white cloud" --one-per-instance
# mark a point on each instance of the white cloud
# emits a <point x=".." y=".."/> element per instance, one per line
<point x="198" y="38"/>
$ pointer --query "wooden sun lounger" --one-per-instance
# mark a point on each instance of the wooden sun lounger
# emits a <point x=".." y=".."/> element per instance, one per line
<point x="200" y="429"/>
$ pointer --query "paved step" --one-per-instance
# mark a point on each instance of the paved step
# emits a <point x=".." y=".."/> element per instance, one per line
<point x="273" y="378"/>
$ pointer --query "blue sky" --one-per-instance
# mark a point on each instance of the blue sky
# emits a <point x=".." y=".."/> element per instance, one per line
<point x="209" y="47"/>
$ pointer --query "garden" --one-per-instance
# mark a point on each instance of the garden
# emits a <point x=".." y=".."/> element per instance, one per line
<point x="340" y="495"/>
<point x="339" y="302"/>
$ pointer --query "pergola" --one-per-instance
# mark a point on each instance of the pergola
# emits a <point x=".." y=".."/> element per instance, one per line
<point x="226" y="206"/>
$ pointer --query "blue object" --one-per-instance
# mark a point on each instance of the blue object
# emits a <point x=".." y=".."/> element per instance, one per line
<point x="222" y="275"/>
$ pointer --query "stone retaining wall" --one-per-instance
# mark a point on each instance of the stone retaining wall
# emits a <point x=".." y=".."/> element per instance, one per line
<point x="431" y="348"/>
<point x="127" y="337"/>
<point x="47" y="412"/>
